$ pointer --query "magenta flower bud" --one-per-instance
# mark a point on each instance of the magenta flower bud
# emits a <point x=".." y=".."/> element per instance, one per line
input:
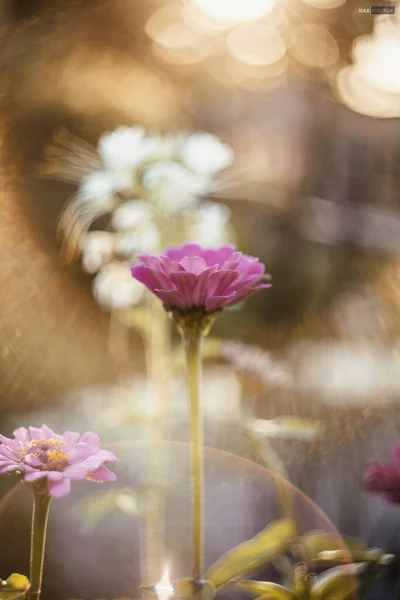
<point x="40" y="455"/>
<point x="192" y="277"/>
<point x="384" y="478"/>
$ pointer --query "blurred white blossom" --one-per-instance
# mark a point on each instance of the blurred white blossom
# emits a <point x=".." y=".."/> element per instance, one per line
<point x="206" y="155"/>
<point x="174" y="187"/>
<point x="152" y="186"/>
<point x="132" y="214"/>
<point x="97" y="250"/>
<point x="211" y="224"/>
<point x="125" y="148"/>
<point x="113" y="287"/>
<point x="143" y="239"/>
<point x="99" y="189"/>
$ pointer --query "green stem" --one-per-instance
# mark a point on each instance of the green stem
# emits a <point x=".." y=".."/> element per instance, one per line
<point x="193" y="343"/>
<point x="41" y="505"/>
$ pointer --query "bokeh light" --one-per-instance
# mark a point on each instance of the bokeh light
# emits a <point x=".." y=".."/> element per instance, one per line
<point x="236" y="10"/>
<point x="363" y="98"/>
<point x="371" y="86"/>
<point x="324" y="4"/>
<point x="314" y="46"/>
<point x="378" y="58"/>
<point x="256" y="45"/>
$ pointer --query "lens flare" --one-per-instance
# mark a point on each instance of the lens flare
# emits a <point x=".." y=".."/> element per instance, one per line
<point x="164" y="588"/>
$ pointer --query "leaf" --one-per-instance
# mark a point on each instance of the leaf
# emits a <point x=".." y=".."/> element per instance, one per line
<point x="246" y="557"/>
<point x="287" y="428"/>
<point x="339" y="583"/>
<point x="267" y="589"/>
<point x="14" y="587"/>
<point x="315" y="542"/>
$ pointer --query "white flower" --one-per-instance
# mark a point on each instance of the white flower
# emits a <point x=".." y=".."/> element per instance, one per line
<point x="211" y="224"/>
<point x="113" y="287"/>
<point x="205" y="154"/>
<point x="97" y="250"/>
<point x="173" y="186"/>
<point x="144" y="239"/>
<point x="98" y="189"/>
<point x="131" y="214"/>
<point x="168" y="147"/>
<point x="125" y="148"/>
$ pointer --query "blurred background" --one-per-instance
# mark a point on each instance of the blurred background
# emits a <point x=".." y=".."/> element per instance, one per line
<point x="307" y="93"/>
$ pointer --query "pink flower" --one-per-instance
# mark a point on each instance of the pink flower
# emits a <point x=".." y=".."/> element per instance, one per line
<point x="37" y="453"/>
<point x="193" y="277"/>
<point x="384" y="478"/>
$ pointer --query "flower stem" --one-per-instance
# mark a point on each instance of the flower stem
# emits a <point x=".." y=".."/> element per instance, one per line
<point x="41" y="505"/>
<point x="193" y="343"/>
<point x="158" y="351"/>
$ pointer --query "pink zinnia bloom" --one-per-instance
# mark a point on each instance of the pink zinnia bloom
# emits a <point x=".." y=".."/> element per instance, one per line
<point x="384" y="478"/>
<point x="37" y="453"/>
<point x="194" y="277"/>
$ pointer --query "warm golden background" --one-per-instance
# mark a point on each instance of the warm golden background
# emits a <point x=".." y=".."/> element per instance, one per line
<point x="308" y="94"/>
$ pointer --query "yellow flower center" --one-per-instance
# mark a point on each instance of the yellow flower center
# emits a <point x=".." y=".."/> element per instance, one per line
<point x="49" y="452"/>
<point x="57" y="460"/>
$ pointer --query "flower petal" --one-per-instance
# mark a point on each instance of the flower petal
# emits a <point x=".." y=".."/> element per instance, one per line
<point x="221" y="283"/>
<point x="34" y="475"/>
<point x="70" y="438"/>
<point x="7" y="468"/>
<point x="42" y="433"/>
<point x="184" y="251"/>
<point x="151" y="278"/>
<point x="60" y="488"/>
<point x="218" y="256"/>
<point x="101" y="474"/>
<point x="193" y="264"/>
<point x="171" y="298"/>
<point x="90" y="438"/>
<point x="217" y="302"/>
<point x="21" y="435"/>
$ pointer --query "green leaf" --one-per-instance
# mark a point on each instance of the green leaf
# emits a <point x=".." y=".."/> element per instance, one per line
<point x="339" y="583"/>
<point x="14" y="587"/>
<point x="267" y="589"/>
<point x="316" y="542"/>
<point x="262" y="549"/>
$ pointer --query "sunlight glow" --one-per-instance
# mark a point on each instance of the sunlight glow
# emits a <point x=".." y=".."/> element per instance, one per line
<point x="164" y="588"/>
